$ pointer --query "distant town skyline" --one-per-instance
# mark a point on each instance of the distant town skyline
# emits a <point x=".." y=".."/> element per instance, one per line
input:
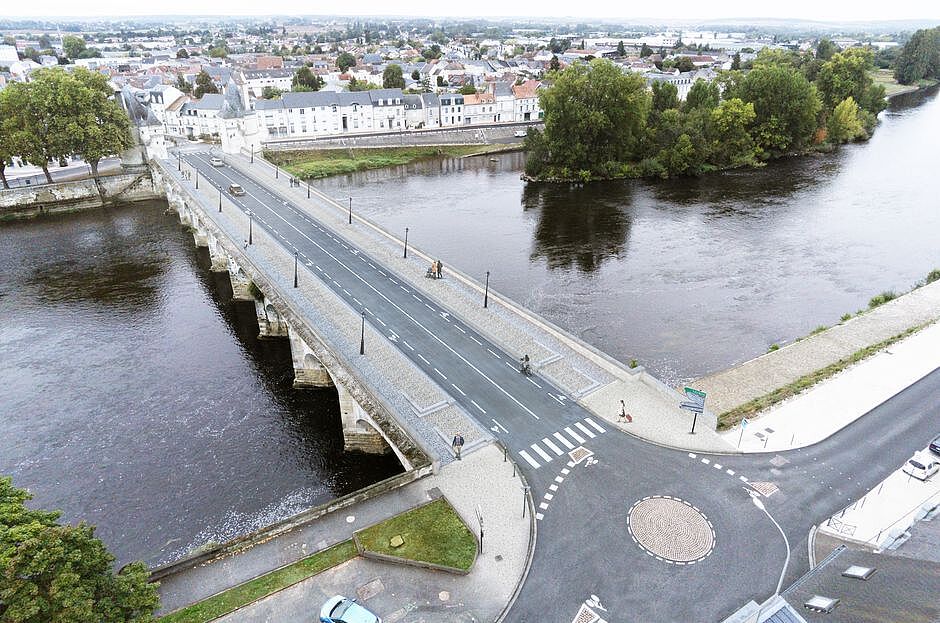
<point x="840" y="10"/>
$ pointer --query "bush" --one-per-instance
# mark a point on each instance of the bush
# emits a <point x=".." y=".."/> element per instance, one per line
<point x="932" y="276"/>
<point x="881" y="299"/>
<point x="819" y="329"/>
<point x="845" y="317"/>
<point x="773" y="347"/>
<point x="634" y="363"/>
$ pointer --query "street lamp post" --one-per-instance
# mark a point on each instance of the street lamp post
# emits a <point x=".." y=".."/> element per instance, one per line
<point x="486" y="290"/>
<point x="196" y="172"/>
<point x="362" y="336"/>
<point x="277" y="172"/>
<point x="760" y="504"/>
<point x="295" y="269"/>
<point x="308" y="189"/>
<point x="406" y="242"/>
<point x="220" y="200"/>
<point x="252" y="161"/>
<point x="251" y="218"/>
<point x="350" y="210"/>
<point x="179" y="162"/>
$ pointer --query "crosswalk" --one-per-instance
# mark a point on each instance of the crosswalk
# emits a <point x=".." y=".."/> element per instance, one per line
<point x="561" y="442"/>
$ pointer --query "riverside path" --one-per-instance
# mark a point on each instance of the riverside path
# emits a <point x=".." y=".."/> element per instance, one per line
<point x="627" y="530"/>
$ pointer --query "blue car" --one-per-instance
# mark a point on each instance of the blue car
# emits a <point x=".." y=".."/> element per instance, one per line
<point x="341" y="609"/>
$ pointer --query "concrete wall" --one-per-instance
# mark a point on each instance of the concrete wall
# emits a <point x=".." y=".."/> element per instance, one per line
<point x="471" y="135"/>
<point x="77" y="195"/>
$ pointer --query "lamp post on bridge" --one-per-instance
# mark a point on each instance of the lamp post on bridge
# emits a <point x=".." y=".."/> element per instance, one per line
<point x="406" y="242"/>
<point x="486" y="290"/>
<point x="295" y="269"/>
<point x="251" y="218"/>
<point x="252" y="161"/>
<point x="196" y="172"/>
<point x="277" y="172"/>
<point x="179" y="162"/>
<point x="308" y="189"/>
<point x="362" y="336"/>
<point x="220" y="200"/>
<point x="350" y="210"/>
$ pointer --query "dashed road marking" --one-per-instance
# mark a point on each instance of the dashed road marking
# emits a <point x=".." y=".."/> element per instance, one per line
<point x="564" y="441"/>
<point x="575" y="435"/>
<point x="542" y="453"/>
<point x="581" y="427"/>
<point x="552" y="446"/>
<point x="594" y="424"/>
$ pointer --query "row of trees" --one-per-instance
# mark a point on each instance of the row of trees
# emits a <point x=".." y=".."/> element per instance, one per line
<point x="63" y="573"/>
<point x="59" y="114"/>
<point x="600" y="122"/>
<point x="920" y="57"/>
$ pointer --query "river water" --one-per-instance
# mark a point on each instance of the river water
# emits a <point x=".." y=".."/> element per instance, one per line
<point x="688" y="276"/>
<point x="137" y="397"/>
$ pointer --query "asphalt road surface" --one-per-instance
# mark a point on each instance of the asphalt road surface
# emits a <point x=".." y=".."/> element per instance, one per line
<point x="600" y="519"/>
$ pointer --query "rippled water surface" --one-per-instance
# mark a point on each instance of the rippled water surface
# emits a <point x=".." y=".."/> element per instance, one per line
<point x="692" y="275"/>
<point x="137" y="397"/>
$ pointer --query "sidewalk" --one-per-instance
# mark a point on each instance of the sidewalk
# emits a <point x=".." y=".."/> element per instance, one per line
<point x="481" y="479"/>
<point x="835" y="403"/>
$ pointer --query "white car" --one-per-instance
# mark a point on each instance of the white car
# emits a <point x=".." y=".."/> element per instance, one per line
<point x="921" y="466"/>
<point x="216" y="161"/>
<point x="520" y="133"/>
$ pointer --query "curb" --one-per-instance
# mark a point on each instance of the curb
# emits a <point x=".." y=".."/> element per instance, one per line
<point x="533" y="537"/>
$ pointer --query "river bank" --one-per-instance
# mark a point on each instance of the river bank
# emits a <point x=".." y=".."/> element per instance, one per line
<point x="320" y="163"/>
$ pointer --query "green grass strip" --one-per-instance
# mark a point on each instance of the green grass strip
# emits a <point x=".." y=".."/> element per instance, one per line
<point x="432" y="533"/>
<point x="310" y="164"/>
<point x="730" y="418"/>
<point x="262" y="586"/>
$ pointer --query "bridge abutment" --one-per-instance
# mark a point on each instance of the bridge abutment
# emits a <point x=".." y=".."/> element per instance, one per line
<point x="270" y="323"/>
<point x="359" y="433"/>
<point x="308" y="370"/>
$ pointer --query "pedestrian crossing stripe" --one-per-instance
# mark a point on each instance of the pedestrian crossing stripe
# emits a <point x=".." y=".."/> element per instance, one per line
<point x="536" y="455"/>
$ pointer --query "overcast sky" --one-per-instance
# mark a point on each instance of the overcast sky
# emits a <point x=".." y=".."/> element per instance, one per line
<point x="839" y="10"/>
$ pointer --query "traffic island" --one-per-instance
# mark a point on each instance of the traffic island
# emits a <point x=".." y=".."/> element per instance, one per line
<point x="432" y="536"/>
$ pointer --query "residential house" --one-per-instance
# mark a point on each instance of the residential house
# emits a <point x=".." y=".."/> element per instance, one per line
<point x="527" y="101"/>
<point x="201" y="117"/>
<point x="451" y="109"/>
<point x="480" y="108"/>
<point x="257" y="79"/>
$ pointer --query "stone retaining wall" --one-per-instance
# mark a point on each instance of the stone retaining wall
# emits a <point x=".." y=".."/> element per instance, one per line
<point x="31" y="201"/>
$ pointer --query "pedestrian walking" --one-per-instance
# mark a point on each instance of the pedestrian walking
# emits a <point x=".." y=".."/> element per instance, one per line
<point x="440" y="269"/>
<point x="457" y="444"/>
<point x="624" y="416"/>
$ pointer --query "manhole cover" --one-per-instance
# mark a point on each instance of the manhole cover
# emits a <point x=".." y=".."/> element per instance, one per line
<point x="671" y="530"/>
<point x="766" y="489"/>
<point x="579" y="454"/>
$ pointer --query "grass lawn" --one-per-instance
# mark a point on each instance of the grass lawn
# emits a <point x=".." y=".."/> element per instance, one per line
<point x="892" y="87"/>
<point x="433" y="533"/>
<point x="324" y="162"/>
<point x="262" y="586"/>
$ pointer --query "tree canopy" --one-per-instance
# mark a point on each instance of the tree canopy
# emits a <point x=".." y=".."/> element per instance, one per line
<point x="306" y="80"/>
<point x="392" y="77"/>
<point x="344" y="61"/>
<point x="204" y="84"/>
<point x="920" y="57"/>
<point x="63" y="573"/>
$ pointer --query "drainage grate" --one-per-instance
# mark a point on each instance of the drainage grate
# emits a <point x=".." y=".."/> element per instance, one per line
<point x="579" y="454"/>
<point x="585" y="615"/>
<point x="766" y="489"/>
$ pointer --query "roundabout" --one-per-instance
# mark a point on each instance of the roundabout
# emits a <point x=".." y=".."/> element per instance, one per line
<point x="671" y="530"/>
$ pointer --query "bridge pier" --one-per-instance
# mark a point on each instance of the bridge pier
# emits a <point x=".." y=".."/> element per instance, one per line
<point x="217" y="256"/>
<point x="359" y="433"/>
<point x="240" y="283"/>
<point x="270" y="323"/>
<point x="308" y="370"/>
<point x="200" y="236"/>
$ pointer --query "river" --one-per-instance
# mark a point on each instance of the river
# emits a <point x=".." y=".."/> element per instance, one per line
<point x="689" y="276"/>
<point x="137" y="397"/>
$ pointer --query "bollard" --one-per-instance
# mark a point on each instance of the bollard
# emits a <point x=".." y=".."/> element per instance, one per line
<point x="505" y="452"/>
<point x="513" y="470"/>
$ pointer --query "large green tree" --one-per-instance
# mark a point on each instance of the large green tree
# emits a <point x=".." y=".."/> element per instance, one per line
<point x="306" y="80"/>
<point x="732" y="143"/>
<point x="847" y="74"/>
<point x="920" y="57"/>
<point x="786" y="105"/>
<point x="594" y="114"/>
<point x="204" y="84"/>
<point x="52" y="572"/>
<point x="704" y="94"/>
<point x="102" y="127"/>
<point x="73" y="46"/>
<point x="41" y="125"/>
<point x="392" y="78"/>
<point x="344" y="61"/>
<point x="844" y="123"/>
<point x="665" y="96"/>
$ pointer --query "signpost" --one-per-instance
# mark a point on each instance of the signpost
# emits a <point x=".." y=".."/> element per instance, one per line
<point x="695" y="404"/>
<point x="743" y="426"/>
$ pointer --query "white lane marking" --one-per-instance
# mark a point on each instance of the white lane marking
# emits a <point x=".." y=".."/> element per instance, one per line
<point x="459" y="328"/>
<point x="403" y="288"/>
<point x="717" y="466"/>
<point x="730" y="472"/>
<point x="565" y="471"/>
<point x="594" y="425"/>
<point x="458" y="389"/>
<point x="382" y="273"/>
<point x="581" y="427"/>
<point x="552" y="446"/>
<point x="555" y="398"/>
<point x="428" y="306"/>
<point x="539" y="516"/>
<point x="576" y="436"/>
<point x="559" y="479"/>
<point x="742" y="478"/>
<point x="533" y="382"/>
<point x="318" y="268"/>
<point x="358" y="302"/>
<point x="543" y="505"/>
<point x="410" y="347"/>
<point x="476" y="340"/>
<point x="528" y="458"/>
<point x="692" y="455"/>
<point x="371" y="264"/>
<point x="346" y="291"/>
<point x="440" y="373"/>
<point x="492" y="353"/>
<point x="424" y="359"/>
<point x="510" y="365"/>
<point x="382" y="322"/>
<point x="367" y="310"/>
<point x="564" y="441"/>
<point x="431" y="333"/>
<point x="483" y="411"/>
<point x="500" y="426"/>
<point x="706" y="461"/>
<point x="549" y="497"/>
<point x="553" y="487"/>
<point x="416" y="297"/>
<point x="540" y="452"/>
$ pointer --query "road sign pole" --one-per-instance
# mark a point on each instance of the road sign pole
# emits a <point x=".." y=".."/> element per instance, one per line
<point x="741" y="437"/>
<point x="694" y="419"/>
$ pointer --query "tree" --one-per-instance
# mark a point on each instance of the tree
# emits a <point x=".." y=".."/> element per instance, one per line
<point x="786" y="107"/>
<point x="344" y="61"/>
<point x="204" y="84"/>
<point x="684" y="64"/>
<point x="271" y="93"/>
<point x="306" y="80"/>
<point x="554" y="65"/>
<point x="736" y="61"/>
<point x="646" y="51"/>
<point x="665" y="96"/>
<point x="416" y="75"/>
<point x="467" y="89"/>
<point x="847" y="75"/>
<point x="183" y="85"/>
<point x="703" y="94"/>
<point x="621" y="51"/>
<point x="63" y="573"/>
<point x="218" y="52"/>
<point x="7" y="134"/>
<point x="441" y="82"/>
<point x="100" y="126"/>
<point x="73" y="46"/>
<point x="732" y="143"/>
<point x="844" y="122"/>
<point x="392" y="77"/>
<point x="182" y="53"/>
<point x="594" y="115"/>
<point x="40" y="133"/>
<point x="920" y="57"/>
<point x="826" y="49"/>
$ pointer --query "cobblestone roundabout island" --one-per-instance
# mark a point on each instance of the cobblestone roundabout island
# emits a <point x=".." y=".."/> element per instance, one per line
<point x="671" y="530"/>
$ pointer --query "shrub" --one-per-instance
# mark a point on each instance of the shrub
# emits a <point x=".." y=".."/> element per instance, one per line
<point x="845" y="317"/>
<point x="634" y="363"/>
<point x="932" y="276"/>
<point x="881" y="299"/>
<point x="773" y="347"/>
<point x="819" y="329"/>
